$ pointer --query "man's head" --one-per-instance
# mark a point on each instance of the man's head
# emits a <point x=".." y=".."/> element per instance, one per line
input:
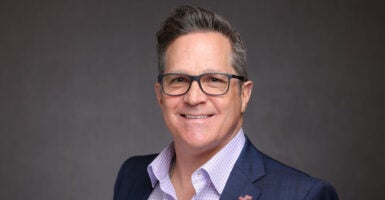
<point x="188" y="19"/>
<point x="201" y="92"/>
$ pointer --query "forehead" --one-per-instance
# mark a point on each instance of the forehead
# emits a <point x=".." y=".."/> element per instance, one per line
<point x="199" y="53"/>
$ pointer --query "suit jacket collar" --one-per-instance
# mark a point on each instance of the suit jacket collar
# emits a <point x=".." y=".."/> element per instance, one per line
<point x="248" y="169"/>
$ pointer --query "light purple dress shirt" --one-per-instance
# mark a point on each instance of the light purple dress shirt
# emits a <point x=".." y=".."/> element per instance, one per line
<point x="208" y="181"/>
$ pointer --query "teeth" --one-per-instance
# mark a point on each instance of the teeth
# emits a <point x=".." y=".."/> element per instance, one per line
<point x="196" y="116"/>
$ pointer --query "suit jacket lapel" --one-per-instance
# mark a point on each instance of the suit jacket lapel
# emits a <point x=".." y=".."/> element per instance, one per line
<point x="144" y="193"/>
<point x="138" y="184"/>
<point x="144" y="187"/>
<point x="247" y="170"/>
<point x="143" y="190"/>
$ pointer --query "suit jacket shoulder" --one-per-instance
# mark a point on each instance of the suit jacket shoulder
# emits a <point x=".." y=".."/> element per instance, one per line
<point x="294" y="184"/>
<point x="133" y="181"/>
<point x="256" y="174"/>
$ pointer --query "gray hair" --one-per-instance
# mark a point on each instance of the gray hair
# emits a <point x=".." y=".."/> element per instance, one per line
<point x="189" y="19"/>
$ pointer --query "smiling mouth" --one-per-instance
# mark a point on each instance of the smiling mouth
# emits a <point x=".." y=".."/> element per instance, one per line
<point x="195" y="116"/>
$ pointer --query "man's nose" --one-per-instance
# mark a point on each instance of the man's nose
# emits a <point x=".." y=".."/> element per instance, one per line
<point x="195" y="95"/>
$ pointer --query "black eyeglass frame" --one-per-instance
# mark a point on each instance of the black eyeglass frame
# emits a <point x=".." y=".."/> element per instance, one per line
<point x="198" y="80"/>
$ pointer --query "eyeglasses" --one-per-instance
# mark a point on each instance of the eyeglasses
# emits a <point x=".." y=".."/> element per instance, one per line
<point x="214" y="84"/>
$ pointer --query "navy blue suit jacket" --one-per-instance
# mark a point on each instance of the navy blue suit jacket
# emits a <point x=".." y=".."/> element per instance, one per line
<point x="254" y="174"/>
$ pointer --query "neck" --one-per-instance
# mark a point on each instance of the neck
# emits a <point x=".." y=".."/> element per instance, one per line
<point x="183" y="166"/>
<point x="180" y="173"/>
<point x="188" y="159"/>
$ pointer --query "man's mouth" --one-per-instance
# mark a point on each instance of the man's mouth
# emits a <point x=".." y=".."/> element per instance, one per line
<point x="195" y="116"/>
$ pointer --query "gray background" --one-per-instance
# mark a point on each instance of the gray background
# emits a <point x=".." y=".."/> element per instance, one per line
<point x="76" y="86"/>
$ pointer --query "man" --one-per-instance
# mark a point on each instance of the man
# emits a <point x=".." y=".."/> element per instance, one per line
<point x="203" y="91"/>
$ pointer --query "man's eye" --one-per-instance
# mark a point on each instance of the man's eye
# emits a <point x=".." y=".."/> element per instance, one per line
<point x="179" y="80"/>
<point x="213" y="79"/>
<point x="216" y="79"/>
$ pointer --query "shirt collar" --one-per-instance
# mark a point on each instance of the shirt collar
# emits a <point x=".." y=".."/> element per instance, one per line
<point x="221" y="164"/>
<point x="159" y="168"/>
<point x="218" y="167"/>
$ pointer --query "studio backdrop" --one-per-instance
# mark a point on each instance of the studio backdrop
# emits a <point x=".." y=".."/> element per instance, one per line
<point x="77" y="95"/>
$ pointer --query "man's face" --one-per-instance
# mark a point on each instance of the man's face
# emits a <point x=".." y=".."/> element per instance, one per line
<point x="200" y="123"/>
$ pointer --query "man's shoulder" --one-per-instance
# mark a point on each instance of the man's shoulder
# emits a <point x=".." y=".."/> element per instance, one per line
<point x="136" y="163"/>
<point x="133" y="180"/>
<point x="288" y="180"/>
<point x="272" y="168"/>
<point x="285" y="173"/>
<point x="276" y="180"/>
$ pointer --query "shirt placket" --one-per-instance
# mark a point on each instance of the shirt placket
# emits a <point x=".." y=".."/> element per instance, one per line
<point x="200" y="182"/>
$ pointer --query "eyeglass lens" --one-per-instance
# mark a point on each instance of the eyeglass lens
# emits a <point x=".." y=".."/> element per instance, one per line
<point x="212" y="83"/>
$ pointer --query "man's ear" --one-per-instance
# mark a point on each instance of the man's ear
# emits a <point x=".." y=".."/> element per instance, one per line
<point x="247" y="88"/>
<point x="158" y="92"/>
